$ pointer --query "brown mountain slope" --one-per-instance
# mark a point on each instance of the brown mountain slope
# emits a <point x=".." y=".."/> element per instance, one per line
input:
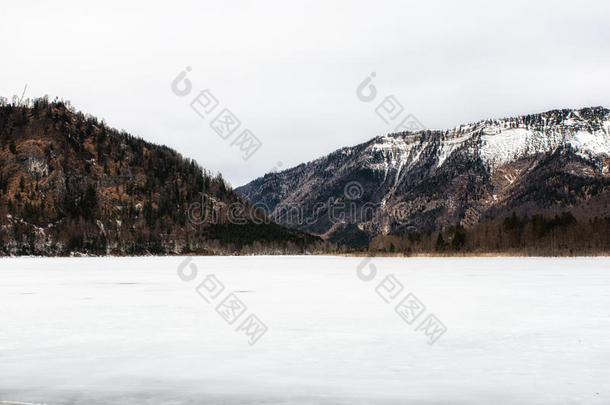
<point x="68" y="183"/>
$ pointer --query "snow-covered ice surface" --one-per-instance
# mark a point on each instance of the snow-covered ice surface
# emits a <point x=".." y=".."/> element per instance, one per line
<point x="130" y="331"/>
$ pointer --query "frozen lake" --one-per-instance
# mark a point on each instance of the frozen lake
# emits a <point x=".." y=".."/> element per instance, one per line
<point x="131" y="331"/>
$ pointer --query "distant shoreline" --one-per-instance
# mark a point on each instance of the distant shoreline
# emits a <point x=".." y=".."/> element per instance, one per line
<point x="352" y="254"/>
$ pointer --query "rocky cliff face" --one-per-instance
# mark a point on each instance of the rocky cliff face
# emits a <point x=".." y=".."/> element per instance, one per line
<point x="541" y="163"/>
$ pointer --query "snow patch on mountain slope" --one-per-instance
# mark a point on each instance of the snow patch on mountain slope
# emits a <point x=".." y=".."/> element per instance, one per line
<point x="596" y="143"/>
<point x="498" y="144"/>
<point x="505" y="145"/>
<point x="510" y="144"/>
<point x="394" y="151"/>
<point x="453" y="141"/>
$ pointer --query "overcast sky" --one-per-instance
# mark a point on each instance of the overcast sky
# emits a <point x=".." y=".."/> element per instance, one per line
<point x="289" y="70"/>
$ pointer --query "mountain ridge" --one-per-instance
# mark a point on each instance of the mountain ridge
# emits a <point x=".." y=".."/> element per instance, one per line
<point x="465" y="174"/>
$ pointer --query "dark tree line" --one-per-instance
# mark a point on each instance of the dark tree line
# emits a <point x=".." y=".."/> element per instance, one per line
<point x="560" y="234"/>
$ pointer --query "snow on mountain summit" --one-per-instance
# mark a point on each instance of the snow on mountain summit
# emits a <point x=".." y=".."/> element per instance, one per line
<point x="498" y="142"/>
<point x="538" y="163"/>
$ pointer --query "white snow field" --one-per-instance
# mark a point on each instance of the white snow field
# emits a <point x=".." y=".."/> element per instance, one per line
<point x="131" y="331"/>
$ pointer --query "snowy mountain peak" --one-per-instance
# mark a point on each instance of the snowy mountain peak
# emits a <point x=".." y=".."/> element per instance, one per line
<point x="497" y="142"/>
<point x="466" y="174"/>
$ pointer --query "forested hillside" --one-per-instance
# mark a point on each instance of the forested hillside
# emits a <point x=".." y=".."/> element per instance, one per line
<point x="70" y="184"/>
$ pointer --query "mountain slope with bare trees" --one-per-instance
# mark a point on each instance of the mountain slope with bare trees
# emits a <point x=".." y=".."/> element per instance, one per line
<point x="70" y="184"/>
<point x="540" y="164"/>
